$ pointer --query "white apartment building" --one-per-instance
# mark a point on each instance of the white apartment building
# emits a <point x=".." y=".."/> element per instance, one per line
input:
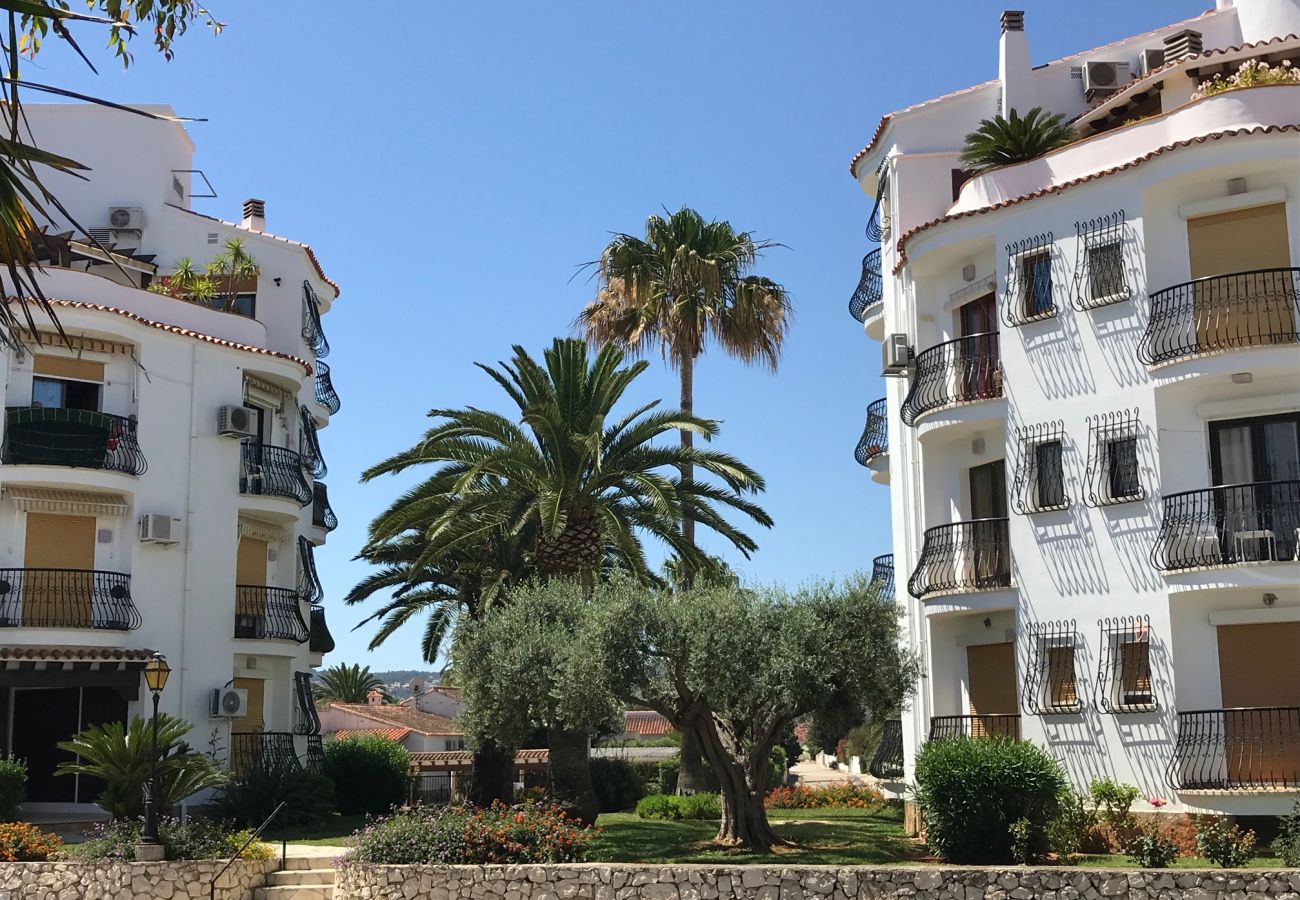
<point x="1090" y="430"/>
<point x="159" y="478"/>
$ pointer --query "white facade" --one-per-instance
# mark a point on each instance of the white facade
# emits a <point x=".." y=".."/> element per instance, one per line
<point x="1081" y="598"/>
<point x="151" y="370"/>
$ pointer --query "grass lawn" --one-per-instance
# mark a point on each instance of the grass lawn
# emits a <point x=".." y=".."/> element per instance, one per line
<point x="333" y="833"/>
<point x="824" y="837"/>
<point x="1120" y="861"/>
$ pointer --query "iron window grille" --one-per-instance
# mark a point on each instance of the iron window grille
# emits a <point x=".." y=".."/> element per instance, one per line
<point x="1124" y="682"/>
<point x="1040" y="471"/>
<point x="308" y="719"/>
<point x="878" y="221"/>
<point x="309" y="584"/>
<point x="871" y="287"/>
<point x="1100" y="278"/>
<point x="326" y="396"/>
<point x="1030" y="296"/>
<point x="309" y="445"/>
<point x="875" y="434"/>
<point x="1052" y="686"/>
<point x="1113" y="476"/>
<point x="312" y="332"/>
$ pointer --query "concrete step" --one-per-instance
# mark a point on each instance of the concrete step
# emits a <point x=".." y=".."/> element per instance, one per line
<point x="295" y="892"/>
<point x="301" y="876"/>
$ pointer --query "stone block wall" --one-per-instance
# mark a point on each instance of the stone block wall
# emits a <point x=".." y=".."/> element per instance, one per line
<point x="131" y="880"/>
<point x="595" y="881"/>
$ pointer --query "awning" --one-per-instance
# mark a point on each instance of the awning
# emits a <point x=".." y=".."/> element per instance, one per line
<point x="255" y="530"/>
<point x="86" y="503"/>
<point x="71" y="666"/>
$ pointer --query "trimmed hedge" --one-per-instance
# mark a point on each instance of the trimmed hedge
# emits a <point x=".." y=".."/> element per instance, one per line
<point x="670" y="807"/>
<point x="370" y="774"/>
<point x="617" y="783"/>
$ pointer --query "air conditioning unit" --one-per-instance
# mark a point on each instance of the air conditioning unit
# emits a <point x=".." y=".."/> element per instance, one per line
<point x="228" y="703"/>
<point x="236" y="421"/>
<point x="897" y="355"/>
<point x="156" y="528"/>
<point x="125" y="218"/>
<point x="1102" y="78"/>
<point x="1150" y="60"/>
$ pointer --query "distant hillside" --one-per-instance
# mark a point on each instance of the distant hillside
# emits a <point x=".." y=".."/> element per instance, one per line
<point x="405" y="675"/>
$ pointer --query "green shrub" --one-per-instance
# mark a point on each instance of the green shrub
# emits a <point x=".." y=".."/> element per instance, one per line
<point x="1223" y="843"/>
<point x="308" y="797"/>
<point x="1287" y="842"/>
<point x="971" y="791"/>
<point x="1073" y="825"/>
<point x="1028" y="842"/>
<point x="842" y="796"/>
<point x="460" y="835"/>
<point x="1113" y="800"/>
<point x="13" y="787"/>
<point x="195" y="839"/>
<point x="616" y="782"/>
<point x="672" y="808"/>
<point x="370" y="774"/>
<point x="1151" y="850"/>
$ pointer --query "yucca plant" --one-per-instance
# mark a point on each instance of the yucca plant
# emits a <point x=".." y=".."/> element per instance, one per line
<point x="346" y="684"/>
<point x="122" y="756"/>
<point x="1000" y="141"/>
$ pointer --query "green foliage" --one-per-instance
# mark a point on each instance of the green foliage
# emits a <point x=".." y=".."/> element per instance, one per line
<point x="13" y="787"/>
<point x="831" y="796"/>
<point x="1223" y="843"/>
<point x="459" y="835"/>
<point x="370" y="773"/>
<point x="1073" y="825"/>
<point x="670" y="807"/>
<point x="1113" y="800"/>
<point x="122" y="757"/>
<point x="309" y="797"/>
<point x="1028" y="842"/>
<point x="1287" y="842"/>
<point x="194" y="839"/>
<point x="1002" y="141"/>
<point x="1150" y="849"/>
<point x="346" y="684"/>
<point x="970" y="791"/>
<point x="163" y="20"/>
<point x="24" y="842"/>
<point x="618" y="786"/>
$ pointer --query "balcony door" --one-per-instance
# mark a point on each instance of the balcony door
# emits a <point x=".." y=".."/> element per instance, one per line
<point x="988" y="533"/>
<point x="1259" y="680"/>
<point x="250" y="588"/>
<point x="980" y="371"/>
<point x="1257" y="511"/>
<point x="61" y="550"/>
<point x="245" y="751"/>
<point x="991" y="684"/>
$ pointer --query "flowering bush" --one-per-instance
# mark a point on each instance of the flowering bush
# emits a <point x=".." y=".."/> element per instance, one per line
<point x="1252" y="73"/>
<point x="455" y="834"/>
<point x="23" y="842"/>
<point x="1223" y="843"/>
<point x="1150" y="848"/>
<point x="195" y="839"/>
<point x="848" y="796"/>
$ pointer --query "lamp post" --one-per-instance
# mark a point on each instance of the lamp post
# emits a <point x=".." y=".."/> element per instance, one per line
<point x="156" y="671"/>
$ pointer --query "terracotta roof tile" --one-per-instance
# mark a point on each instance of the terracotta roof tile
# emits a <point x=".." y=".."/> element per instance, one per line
<point x="175" y="329"/>
<point x="396" y="715"/>
<point x="1057" y="188"/>
<point x="392" y="734"/>
<point x="646" y="722"/>
<point x="81" y="654"/>
<point x="435" y="758"/>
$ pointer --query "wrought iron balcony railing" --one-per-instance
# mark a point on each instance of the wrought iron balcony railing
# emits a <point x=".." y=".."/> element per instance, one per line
<point x="312" y="332"/>
<point x="888" y="760"/>
<point x="262" y="751"/>
<point x="319" y="640"/>
<point x="963" y="556"/>
<point x="269" y="613"/>
<point x="987" y="726"/>
<point x="882" y="575"/>
<point x="1237" y="749"/>
<point x="67" y="598"/>
<point x="960" y="371"/>
<point x="1221" y="526"/>
<point x="272" y="472"/>
<point x="80" y="438"/>
<point x="308" y="719"/>
<point x="325" y="394"/>
<point x="322" y="514"/>
<point x="871" y="287"/>
<point x="309" y="445"/>
<point x="1223" y="312"/>
<point x="875" y="436"/>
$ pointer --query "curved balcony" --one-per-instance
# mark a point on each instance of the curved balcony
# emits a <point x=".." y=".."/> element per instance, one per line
<point x="963" y="557"/>
<point x="309" y="445"/>
<point x="887" y="763"/>
<point x="67" y="598"/>
<point x="322" y="514"/>
<point x="262" y="751"/>
<point x="269" y="614"/>
<point x="882" y="575"/>
<point x="944" y="728"/>
<point x="314" y="759"/>
<point x="965" y="370"/>
<point x="1231" y="524"/>
<point x="272" y="472"/>
<point x="325" y="394"/>
<point x="874" y="442"/>
<point x="1223" y="313"/>
<point x="319" y="640"/>
<point x="1254" y="748"/>
<point x="78" y="438"/>
<point x="871" y="289"/>
<point x="312" y="332"/>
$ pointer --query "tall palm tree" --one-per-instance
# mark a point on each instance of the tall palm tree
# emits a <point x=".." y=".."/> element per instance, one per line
<point x="572" y="481"/>
<point x="346" y="684"/>
<point x="1001" y="141"/>
<point x="685" y="283"/>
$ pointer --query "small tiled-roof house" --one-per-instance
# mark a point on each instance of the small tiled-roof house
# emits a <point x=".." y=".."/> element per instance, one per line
<point x="415" y="729"/>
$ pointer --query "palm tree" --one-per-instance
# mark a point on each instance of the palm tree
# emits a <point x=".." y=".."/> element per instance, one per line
<point x="1001" y="141"/>
<point x="572" y="482"/>
<point x="685" y="283"/>
<point x="346" y="684"/>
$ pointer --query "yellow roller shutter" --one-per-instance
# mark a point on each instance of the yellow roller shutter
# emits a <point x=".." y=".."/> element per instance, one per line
<point x="58" y="598"/>
<point x="1239" y="241"/>
<point x="68" y="367"/>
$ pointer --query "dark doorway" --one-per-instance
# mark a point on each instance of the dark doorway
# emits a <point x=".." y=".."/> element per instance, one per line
<point x="990" y="541"/>
<point x="44" y="716"/>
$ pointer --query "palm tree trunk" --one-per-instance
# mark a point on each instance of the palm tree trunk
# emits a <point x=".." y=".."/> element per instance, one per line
<point x="570" y="772"/>
<point x="687" y="373"/>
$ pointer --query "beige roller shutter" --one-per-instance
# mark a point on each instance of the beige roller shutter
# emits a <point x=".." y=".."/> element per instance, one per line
<point x="250" y="562"/>
<point x="1239" y="241"/>
<point x="58" y="598"/>
<point x="991" y="670"/>
<point x="1259" y="665"/>
<point x="67" y="367"/>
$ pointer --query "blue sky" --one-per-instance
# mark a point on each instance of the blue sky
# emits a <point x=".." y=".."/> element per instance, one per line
<point x="453" y="163"/>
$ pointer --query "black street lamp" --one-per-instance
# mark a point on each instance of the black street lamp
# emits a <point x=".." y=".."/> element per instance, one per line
<point x="156" y="671"/>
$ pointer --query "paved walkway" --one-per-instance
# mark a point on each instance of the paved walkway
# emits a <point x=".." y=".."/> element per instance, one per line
<point x="813" y="773"/>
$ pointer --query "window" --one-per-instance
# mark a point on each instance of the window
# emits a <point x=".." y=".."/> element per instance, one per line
<point x="1053" y="687"/>
<point x="1030" y="294"/>
<point x="1100" y="279"/>
<point x="1040" y="469"/>
<point x="1113" y="472"/>
<point x="1121" y="465"/>
<point x="1036" y="285"/>
<point x="1050" y="481"/>
<point x="57" y="393"/>
<point x="1135" y="672"/>
<point x="1125" y="683"/>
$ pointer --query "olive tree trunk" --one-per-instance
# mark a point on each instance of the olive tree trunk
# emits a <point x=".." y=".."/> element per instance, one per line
<point x="570" y="774"/>
<point x="690" y="766"/>
<point x="491" y="777"/>
<point x="742" y="777"/>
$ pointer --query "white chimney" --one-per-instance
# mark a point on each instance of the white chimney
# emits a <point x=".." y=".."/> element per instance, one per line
<point x="254" y="215"/>
<point x="375" y="698"/>
<point x="1013" y="65"/>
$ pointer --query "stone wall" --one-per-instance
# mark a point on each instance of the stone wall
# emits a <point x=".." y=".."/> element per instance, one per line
<point x="625" y="882"/>
<point x="131" y="880"/>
